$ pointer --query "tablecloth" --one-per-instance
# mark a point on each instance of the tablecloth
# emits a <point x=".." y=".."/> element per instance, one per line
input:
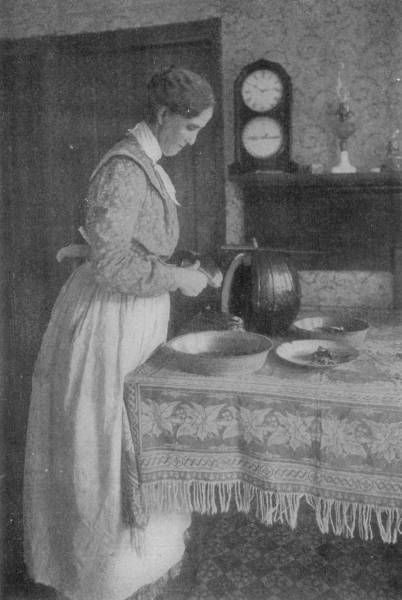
<point x="269" y="439"/>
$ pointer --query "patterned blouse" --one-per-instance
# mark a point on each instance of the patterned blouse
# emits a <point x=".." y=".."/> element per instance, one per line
<point x="131" y="223"/>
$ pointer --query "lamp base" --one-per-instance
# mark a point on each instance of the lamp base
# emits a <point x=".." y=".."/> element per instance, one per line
<point x="344" y="165"/>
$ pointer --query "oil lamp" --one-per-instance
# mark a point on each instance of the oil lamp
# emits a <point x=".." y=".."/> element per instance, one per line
<point x="344" y="128"/>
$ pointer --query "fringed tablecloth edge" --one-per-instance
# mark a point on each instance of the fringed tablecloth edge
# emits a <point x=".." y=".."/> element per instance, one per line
<point x="339" y="517"/>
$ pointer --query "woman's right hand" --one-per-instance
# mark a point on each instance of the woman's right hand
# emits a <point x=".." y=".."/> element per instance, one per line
<point x="190" y="280"/>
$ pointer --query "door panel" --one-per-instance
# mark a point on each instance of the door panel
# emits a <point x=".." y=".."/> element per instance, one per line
<point x="69" y="100"/>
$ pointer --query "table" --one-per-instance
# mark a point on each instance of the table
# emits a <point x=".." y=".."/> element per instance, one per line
<point x="268" y="440"/>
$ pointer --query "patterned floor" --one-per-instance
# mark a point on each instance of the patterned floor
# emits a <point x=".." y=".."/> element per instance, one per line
<point x="241" y="559"/>
<point x="236" y="558"/>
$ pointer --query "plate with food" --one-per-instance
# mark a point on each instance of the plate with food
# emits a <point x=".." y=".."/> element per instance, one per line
<point x="316" y="353"/>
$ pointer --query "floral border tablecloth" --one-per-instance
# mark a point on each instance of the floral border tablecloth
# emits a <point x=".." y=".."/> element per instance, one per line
<point x="267" y="440"/>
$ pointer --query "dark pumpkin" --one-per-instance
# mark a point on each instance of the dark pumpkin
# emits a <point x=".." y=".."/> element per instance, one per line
<point x="271" y="288"/>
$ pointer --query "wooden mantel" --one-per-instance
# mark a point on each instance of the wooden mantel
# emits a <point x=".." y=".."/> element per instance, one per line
<point x="350" y="181"/>
<point x="337" y="221"/>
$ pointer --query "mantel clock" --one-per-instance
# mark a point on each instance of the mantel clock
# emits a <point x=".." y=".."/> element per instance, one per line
<point x="262" y="97"/>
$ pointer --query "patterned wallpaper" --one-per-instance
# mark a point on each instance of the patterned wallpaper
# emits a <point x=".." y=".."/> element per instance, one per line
<point x="315" y="40"/>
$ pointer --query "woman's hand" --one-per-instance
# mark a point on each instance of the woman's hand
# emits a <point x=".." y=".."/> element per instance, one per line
<point x="190" y="280"/>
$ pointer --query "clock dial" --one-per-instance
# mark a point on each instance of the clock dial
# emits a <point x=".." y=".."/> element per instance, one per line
<point x="262" y="137"/>
<point x="262" y="90"/>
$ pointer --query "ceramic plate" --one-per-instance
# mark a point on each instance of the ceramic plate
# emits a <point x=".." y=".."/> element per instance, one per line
<point x="316" y="353"/>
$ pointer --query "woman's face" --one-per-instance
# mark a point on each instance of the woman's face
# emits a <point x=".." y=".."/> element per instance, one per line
<point x="175" y="131"/>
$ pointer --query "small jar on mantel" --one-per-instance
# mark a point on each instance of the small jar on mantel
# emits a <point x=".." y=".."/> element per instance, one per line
<point x="393" y="160"/>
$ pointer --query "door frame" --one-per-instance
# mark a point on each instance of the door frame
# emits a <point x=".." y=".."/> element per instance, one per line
<point x="206" y="31"/>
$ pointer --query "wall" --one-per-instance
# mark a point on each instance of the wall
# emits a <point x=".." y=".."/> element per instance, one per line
<point x="4" y="335"/>
<point x="4" y="354"/>
<point x="310" y="38"/>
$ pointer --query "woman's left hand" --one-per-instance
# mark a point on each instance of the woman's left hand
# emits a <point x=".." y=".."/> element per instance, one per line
<point x="190" y="280"/>
<point x="208" y="267"/>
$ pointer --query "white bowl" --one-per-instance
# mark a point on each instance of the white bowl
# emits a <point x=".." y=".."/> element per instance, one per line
<point x="348" y="329"/>
<point x="219" y="352"/>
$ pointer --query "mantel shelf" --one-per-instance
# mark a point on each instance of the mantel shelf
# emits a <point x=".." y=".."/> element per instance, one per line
<point x="351" y="221"/>
<point x="345" y="181"/>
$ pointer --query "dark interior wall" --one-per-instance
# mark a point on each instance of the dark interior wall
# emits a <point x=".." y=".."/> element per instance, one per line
<point x="4" y="319"/>
<point x="3" y="397"/>
<point x="3" y="374"/>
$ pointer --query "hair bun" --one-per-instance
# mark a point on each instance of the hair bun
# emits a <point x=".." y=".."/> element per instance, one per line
<point x="182" y="91"/>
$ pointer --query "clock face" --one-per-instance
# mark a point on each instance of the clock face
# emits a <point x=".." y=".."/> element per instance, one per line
<point x="262" y="90"/>
<point x="262" y="137"/>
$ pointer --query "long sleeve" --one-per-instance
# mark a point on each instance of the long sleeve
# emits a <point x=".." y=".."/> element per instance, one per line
<point x="127" y="228"/>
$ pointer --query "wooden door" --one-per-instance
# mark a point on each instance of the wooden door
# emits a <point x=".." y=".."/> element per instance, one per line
<point x="68" y="100"/>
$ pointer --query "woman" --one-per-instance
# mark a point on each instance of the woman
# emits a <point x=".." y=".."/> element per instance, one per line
<point x="109" y="317"/>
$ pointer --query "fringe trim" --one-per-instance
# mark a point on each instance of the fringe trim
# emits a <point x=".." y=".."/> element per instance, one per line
<point x="343" y="518"/>
<point x="211" y="498"/>
<point x="332" y="516"/>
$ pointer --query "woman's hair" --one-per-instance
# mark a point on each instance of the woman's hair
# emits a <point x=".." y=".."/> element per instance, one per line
<point x="182" y="91"/>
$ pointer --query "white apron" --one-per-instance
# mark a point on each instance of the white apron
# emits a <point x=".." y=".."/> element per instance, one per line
<point x="75" y="540"/>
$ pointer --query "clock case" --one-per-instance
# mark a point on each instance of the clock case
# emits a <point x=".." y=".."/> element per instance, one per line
<point x="280" y="161"/>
